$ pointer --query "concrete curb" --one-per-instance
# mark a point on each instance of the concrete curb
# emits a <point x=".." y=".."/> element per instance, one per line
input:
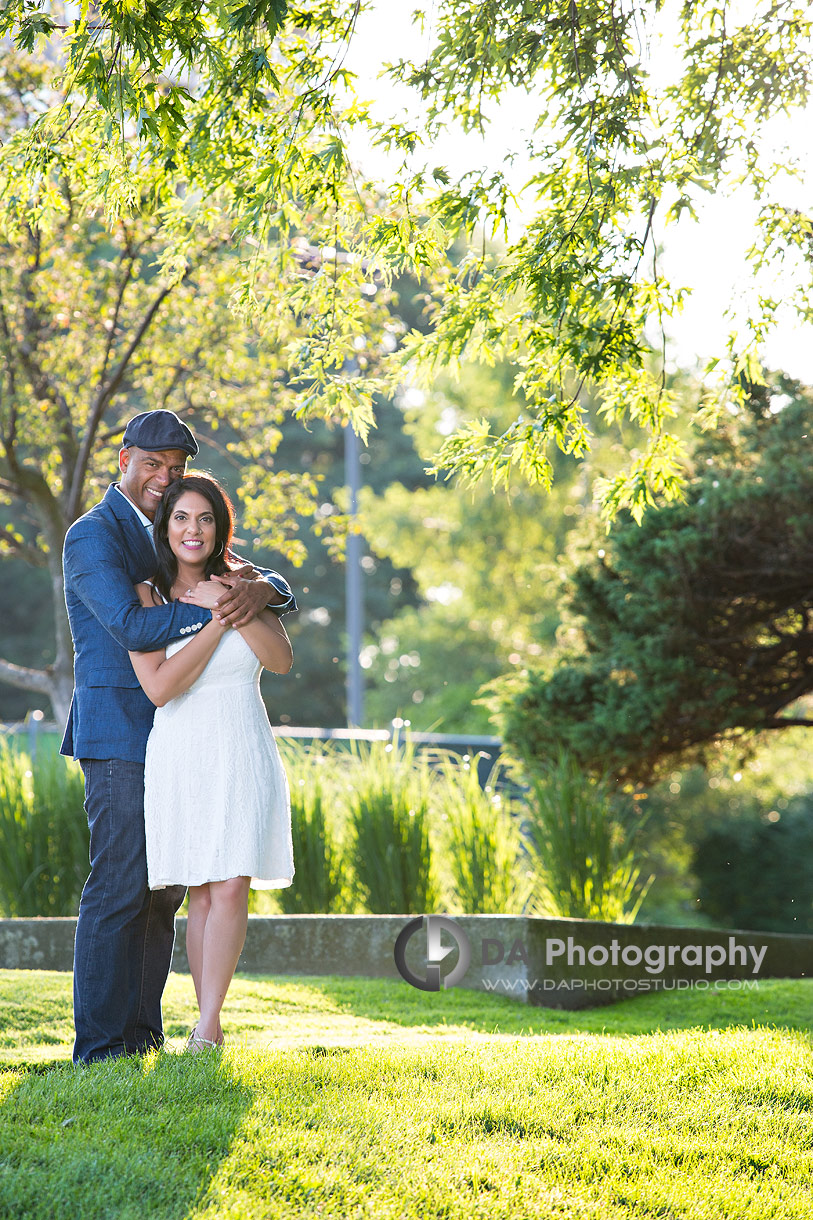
<point x="554" y="963"/>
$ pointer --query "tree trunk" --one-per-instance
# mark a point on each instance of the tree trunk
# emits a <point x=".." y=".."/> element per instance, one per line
<point x="60" y="693"/>
<point x="61" y="672"/>
<point x="56" y="680"/>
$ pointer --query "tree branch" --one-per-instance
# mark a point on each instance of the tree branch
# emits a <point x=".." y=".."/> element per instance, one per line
<point x="107" y="391"/>
<point x="24" y="677"/>
<point x="133" y="254"/>
<point x="22" y="550"/>
<point x="42" y="383"/>
<point x="10" y="431"/>
<point x="103" y="396"/>
<point x="784" y="722"/>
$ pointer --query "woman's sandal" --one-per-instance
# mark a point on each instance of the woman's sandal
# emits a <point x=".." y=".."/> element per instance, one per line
<point x="195" y="1043"/>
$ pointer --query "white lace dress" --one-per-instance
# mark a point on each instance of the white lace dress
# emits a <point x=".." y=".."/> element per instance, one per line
<point x="216" y="800"/>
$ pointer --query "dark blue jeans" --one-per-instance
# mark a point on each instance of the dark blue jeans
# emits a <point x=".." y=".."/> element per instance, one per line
<point x="125" y="932"/>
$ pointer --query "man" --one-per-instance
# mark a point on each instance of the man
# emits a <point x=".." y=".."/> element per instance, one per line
<point x="125" y="932"/>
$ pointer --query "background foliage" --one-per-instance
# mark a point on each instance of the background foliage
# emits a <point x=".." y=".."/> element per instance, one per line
<point x="252" y="109"/>
<point x="97" y="323"/>
<point x="181" y="225"/>
<point x="488" y="567"/>
<point x="725" y="847"/>
<point x="696" y="625"/>
<point x="43" y="833"/>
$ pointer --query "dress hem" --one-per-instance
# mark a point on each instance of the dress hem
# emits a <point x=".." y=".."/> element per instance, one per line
<point x="278" y="883"/>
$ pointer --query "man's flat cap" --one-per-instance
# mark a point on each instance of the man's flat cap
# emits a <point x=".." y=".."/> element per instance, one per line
<point x="156" y="430"/>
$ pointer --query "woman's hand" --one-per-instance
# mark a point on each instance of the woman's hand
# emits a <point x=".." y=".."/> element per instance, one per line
<point x="204" y="594"/>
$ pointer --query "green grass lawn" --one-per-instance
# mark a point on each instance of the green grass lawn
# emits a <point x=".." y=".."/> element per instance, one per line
<point x="361" y="1098"/>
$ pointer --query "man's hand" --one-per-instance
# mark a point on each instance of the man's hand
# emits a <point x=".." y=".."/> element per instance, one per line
<point x="246" y="570"/>
<point x="246" y="594"/>
<point x="244" y="597"/>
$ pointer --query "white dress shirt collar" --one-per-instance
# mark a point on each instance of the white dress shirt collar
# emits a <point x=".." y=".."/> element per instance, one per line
<point x="143" y="518"/>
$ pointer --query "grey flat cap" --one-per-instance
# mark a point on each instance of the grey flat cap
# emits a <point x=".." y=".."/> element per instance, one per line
<point x="154" y="430"/>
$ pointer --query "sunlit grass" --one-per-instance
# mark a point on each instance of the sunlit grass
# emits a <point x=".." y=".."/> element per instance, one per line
<point x="366" y="1098"/>
<point x="36" y="1024"/>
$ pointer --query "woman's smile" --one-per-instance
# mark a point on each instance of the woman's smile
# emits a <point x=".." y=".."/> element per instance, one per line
<point x="191" y="528"/>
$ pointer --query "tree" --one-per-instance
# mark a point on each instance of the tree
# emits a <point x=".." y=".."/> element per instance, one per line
<point x="314" y="692"/>
<point x="697" y="626"/>
<point x="485" y="567"/>
<point x="251" y="107"/>
<point x="489" y="568"/>
<point x="93" y="328"/>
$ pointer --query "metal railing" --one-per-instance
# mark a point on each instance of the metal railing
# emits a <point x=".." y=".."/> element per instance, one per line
<point x="486" y="748"/>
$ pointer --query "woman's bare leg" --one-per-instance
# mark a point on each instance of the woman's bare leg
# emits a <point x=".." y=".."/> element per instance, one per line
<point x="198" y="913"/>
<point x="223" y="939"/>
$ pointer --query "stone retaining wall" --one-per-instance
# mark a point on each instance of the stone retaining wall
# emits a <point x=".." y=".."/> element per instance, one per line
<point x="555" y="963"/>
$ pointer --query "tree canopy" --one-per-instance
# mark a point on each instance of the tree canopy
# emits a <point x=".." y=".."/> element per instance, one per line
<point x="485" y="566"/>
<point x="489" y="568"/>
<point x="195" y="156"/>
<point x="92" y="331"/>
<point x="697" y="626"/>
<point x="245" y="110"/>
<point x="96" y="324"/>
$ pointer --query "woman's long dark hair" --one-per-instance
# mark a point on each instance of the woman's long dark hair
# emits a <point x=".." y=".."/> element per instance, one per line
<point x="166" y="571"/>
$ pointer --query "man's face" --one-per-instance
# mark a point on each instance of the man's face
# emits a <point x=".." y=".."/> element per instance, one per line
<point x="145" y="475"/>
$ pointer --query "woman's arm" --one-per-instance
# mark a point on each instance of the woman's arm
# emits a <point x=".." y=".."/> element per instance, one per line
<point x="163" y="677"/>
<point x="96" y="574"/>
<point x="265" y="634"/>
<point x="268" y="640"/>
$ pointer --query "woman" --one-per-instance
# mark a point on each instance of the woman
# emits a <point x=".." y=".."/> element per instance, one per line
<point x="216" y="800"/>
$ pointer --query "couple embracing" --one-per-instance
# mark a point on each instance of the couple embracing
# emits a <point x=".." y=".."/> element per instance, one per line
<point x="184" y="787"/>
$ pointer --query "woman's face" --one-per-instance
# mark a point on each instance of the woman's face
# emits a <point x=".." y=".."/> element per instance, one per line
<point x="191" y="528"/>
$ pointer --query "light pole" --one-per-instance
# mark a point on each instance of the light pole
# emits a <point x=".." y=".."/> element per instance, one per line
<point x="354" y="603"/>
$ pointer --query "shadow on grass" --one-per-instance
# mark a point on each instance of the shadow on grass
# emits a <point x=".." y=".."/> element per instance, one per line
<point x="783" y="1003"/>
<point x="129" y="1137"/>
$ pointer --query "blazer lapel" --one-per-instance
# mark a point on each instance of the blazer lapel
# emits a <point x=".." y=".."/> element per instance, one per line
<point x="136" y="541"/>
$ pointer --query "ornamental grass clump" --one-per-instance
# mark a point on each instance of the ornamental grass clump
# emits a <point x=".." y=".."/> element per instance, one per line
<point x="582" y="840"/>
<point x="317" y="886"/>
<point x="388" y="802"/>
<point x="487" y="865"/>
<point x="43" y="834"/>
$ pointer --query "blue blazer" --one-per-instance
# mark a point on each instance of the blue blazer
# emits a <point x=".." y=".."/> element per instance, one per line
<point x="107" y="552"/>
